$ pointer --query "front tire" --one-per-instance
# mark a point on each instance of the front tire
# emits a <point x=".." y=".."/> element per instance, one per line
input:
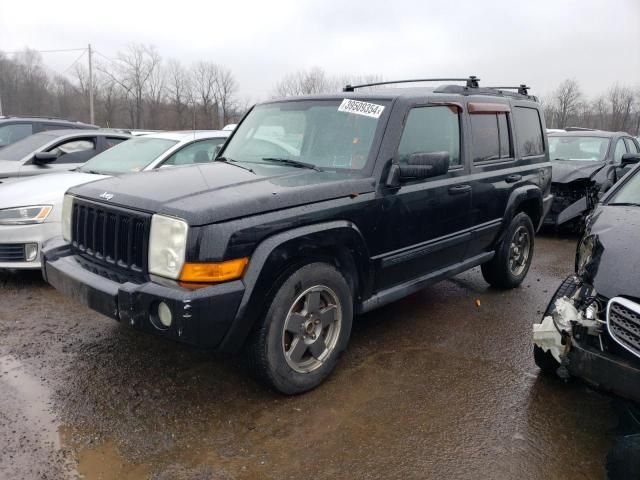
<point x="305" y="330"/>
<point x="509" y="266"/>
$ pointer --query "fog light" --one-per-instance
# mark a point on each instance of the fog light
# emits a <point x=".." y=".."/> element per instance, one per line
<point x="164" y="314"/>
<point x="30" y="251"/>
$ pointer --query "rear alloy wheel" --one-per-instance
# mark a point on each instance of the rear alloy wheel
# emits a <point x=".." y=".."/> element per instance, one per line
<point x="509" y="266"/>
<point x="306" y="328"/>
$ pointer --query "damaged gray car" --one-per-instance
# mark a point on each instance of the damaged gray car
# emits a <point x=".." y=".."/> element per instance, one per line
<point x="586" y="163"/>
<point x="591" y="328"/>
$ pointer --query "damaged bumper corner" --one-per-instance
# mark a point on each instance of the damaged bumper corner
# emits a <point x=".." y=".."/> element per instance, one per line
<point x="571" y="212"/>
<point x="604" y="371"/>
<point x="548" y="338"/>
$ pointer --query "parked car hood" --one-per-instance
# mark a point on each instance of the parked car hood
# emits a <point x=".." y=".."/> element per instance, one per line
<point x="615" y="265"/>
<point x="204" y="194"/>
<point x="566" y="171"/>
<point x="42" y="189"/>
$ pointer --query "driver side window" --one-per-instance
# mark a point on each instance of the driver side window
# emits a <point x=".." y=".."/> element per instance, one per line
<point x="430" y="130"/>
<point x="67" y="151"/>
<point x="621" y="149"/>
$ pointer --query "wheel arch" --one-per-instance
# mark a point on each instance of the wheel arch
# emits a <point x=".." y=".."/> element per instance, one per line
<point x="526" y="199"/>
<point x="338" y="242"/>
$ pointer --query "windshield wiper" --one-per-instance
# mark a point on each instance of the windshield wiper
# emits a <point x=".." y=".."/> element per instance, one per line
<point x="233" y="162"/>
<point x="625" y="204"/>
<point x="293" y="163"/>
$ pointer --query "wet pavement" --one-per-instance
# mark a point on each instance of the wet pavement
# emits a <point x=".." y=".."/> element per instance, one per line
<point x="439" y="385"/>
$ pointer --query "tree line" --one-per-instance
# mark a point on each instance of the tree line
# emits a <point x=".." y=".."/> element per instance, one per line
<point x="135" y="89"/>
<point x="617" y="109"/>
<point x="139" y="89"/>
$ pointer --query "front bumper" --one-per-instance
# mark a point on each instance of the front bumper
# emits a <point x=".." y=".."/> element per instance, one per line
<point x="200" y="316"/>
<point x="22" y="234"/>
<point x="605" y="371"/>
<point x="562" y="213"/>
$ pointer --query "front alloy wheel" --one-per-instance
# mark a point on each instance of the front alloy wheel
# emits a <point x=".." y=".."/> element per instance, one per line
<point x="312" y="328"/>
<point x="304" y="331"/>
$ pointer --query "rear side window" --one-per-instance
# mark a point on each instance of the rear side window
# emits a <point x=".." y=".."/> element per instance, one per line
<point x="431" y="130"/>
<point x="631" y="145"/>
<point x="491" y="138"/>
<point x="15" y="132"/>
<point x="620" y="150"/>
<point x="112" y="142"/>
<point x="529" y="131"/>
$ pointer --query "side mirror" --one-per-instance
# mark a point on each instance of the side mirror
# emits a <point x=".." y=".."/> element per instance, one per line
<point x="419" y="166"/>
<point x="43" y="158"/>
<point x="630" y="159"/>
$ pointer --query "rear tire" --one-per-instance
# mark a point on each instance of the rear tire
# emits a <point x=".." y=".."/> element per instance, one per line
<point x="508" y="268"/>
<point x="305" y="330"/>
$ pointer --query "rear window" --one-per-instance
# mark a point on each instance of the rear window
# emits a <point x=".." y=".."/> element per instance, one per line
<point x="491" y="139"/>
<point x="529" y="131"/>
<point x="14" y="132"/>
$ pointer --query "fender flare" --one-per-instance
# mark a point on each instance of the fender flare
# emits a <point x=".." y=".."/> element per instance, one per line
<point x="327" y="234"/>
<point x="516" y="197"/>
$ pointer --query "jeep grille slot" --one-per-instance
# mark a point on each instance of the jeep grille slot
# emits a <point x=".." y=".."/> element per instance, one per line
<point x="623" y="321"/>
<point x="113" y="236"/>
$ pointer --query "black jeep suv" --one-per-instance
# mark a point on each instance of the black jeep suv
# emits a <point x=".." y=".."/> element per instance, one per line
<point x="318" y="208"/>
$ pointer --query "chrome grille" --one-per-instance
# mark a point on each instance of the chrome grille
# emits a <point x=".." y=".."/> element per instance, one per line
<point x="623" y="322"/>
<point x="114" y="236"/>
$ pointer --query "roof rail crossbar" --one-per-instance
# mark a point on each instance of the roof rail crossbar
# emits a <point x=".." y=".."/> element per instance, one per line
<point x="472" y="82"/>
<point x="522" y="89"/>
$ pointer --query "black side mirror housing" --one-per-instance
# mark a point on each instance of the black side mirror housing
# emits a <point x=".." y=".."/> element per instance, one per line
<point x="419" y="166"/>
<point x="43" y="158"/>
<point x="630" y="159"/>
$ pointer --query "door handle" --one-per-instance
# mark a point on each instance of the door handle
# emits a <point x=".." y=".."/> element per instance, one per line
<point x="459" y="189"/>
<point x="513" y="178"/>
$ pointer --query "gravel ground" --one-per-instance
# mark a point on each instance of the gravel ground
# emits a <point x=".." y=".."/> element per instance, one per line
<point x="439" y="385"/>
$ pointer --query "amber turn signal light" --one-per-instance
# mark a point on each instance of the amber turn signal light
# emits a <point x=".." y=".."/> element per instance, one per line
<point x="213" y="272"/>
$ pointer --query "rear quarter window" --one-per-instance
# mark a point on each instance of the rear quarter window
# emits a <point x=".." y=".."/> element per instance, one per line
<point x="530" y="139"/>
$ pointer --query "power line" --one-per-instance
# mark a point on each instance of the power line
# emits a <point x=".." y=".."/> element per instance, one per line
<point x="74" y="62"/>
<point x="45" y="51"/>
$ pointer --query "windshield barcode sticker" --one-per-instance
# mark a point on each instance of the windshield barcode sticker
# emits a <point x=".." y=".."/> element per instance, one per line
<point x="361" y="108"/>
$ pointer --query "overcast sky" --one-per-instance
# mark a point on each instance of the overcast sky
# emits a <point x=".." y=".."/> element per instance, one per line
<point x="504" y="42"/>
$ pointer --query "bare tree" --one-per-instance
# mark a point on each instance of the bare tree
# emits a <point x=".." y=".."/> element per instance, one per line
<point x="131" y="71"/>
<point x="226" y="87"/>
<point x="178" y="92"/>
<point x="155" y="96"/>
<point x="204" y="76"/>
<point x="303" y="82"/>
<point x="567" y="99"/>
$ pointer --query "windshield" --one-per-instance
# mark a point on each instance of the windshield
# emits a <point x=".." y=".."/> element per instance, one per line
<point x="22" y="148"/>
<point x="132" y="155"/>
<point x="629" y="192"/>
<point x="332" y="134"/>
<point x="593" y="149"/>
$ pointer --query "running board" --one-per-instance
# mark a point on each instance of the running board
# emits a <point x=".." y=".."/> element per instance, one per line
<point x="400" y="291"/>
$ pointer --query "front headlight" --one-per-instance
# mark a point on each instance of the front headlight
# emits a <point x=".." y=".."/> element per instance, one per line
<point x="25" y="215"/>
<point x="167" y="246"/>
<point x="584" y="254"/>
<point x="67" y="212"/>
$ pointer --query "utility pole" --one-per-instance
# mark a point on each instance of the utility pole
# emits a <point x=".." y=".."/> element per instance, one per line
<point x="0" y="105"/>
<point x="91" y="115"/>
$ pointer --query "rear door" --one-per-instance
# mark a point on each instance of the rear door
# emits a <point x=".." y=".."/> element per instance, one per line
<point x="424" y="223"/>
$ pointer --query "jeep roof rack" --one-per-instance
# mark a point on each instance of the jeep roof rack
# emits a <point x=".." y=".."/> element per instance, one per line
<point x="522" y="89"/>
<point x="43" y="117"/>
<point x="472" y="82"/>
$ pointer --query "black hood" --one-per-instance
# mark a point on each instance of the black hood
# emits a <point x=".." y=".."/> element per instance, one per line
<point x="615" y="265"/>
<point x="566" y="171"/>
<point x="205" y="194"/>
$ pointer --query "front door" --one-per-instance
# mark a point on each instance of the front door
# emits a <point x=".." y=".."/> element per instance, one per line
<point x="424" y="224"/>
<point x="70" y="153"/>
